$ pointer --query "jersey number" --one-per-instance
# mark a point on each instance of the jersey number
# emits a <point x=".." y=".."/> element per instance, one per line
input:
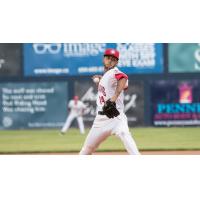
<point x="101" y="99"/>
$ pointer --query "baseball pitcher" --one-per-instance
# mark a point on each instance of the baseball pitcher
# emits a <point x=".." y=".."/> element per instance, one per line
<point x="110" y="118"/>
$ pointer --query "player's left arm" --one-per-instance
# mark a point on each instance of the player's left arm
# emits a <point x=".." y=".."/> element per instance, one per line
<point x="121" y="85"/>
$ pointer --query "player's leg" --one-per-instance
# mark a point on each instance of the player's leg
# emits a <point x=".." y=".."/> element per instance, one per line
<point x="94" y="139"/>
<point x="80" y="124"/>
<point x="129" y="143"/>
<point x="122" y="131"/>
<point x="67" y="123"/>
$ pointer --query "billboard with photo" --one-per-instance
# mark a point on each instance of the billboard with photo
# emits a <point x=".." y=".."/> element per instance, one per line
<point x="33" y="105"/>
<point x="133" y="101"/>
<point x="184" y="57"/>
<point x="175" y="102"/>
<point x="10" y="59"/>
<point x="76" y="59"/>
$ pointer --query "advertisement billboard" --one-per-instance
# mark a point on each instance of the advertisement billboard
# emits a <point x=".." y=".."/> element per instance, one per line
<point x="10" y="60"/>
<point x="33" y="105"/>
<point x="175" y="102"/>
<point x="133" y="101"/>
<point x="76" y="59"/>
<point x="184" y="57"/>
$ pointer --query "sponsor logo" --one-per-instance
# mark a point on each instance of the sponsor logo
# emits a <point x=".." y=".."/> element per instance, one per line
<point x="185" y="93"/>
<point x="139" y="55"/>
<point x="70" y="49"/>
<point x="7" y="122"/>
<point x="53" y="48"/>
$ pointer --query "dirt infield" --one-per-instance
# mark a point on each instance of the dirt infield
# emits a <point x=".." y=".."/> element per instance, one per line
<point x="164" y="152"/>
<point x="178" y="152"/>
<point x="193" y="152"/>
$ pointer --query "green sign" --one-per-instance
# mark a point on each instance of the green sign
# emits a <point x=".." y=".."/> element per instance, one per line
<point x="184" y="57"/>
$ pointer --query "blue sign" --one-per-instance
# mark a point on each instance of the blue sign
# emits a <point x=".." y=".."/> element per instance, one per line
<point x="72" y="59"/>
<point x="175" y="102"/>
<point x="33" y="105"/>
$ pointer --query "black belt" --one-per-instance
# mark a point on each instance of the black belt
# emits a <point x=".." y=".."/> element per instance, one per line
<point x="101" y="113"/>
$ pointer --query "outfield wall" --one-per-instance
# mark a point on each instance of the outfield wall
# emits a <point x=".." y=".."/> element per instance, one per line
<point x="38" y="80"/>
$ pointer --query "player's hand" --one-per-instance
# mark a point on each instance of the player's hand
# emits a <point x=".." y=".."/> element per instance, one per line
<point x="96" y="79"/>
<point x="97" y="76"/>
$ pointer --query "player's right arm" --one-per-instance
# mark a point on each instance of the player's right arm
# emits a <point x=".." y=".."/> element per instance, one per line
<point x="121" y="85"/>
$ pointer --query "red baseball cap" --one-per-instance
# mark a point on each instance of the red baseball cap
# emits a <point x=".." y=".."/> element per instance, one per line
<point x="112" y="52"/>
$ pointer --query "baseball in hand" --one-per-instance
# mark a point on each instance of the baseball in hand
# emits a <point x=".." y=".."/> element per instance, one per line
<point x="96" y="80"/>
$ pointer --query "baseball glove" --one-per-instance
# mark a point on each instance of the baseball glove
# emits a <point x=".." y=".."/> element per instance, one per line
<point x="110" y="110"/>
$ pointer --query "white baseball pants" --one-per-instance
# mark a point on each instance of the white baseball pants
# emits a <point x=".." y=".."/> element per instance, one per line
<point x="103" y="127"/>
<point x="69" y="120"/>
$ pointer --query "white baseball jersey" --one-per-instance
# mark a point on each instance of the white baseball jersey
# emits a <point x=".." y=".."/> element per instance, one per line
<point x="76" y="108"/>
<point x="107" y="87"/>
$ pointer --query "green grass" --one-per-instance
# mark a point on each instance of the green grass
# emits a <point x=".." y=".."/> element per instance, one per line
<point x="32" y="141"/>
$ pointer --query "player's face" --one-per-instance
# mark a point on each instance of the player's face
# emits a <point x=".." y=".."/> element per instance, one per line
<point x="76" y="98"/>
<point x="109" y="61"/>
